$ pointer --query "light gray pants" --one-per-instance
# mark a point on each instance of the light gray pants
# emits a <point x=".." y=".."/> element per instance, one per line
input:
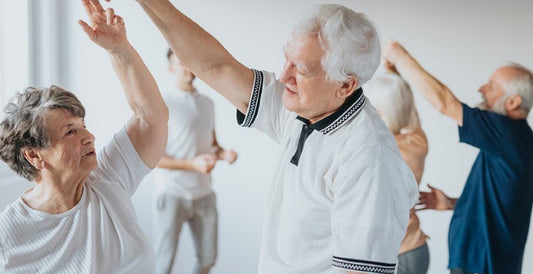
<point x="415" y="261"/>
<point x="201" y="215"/>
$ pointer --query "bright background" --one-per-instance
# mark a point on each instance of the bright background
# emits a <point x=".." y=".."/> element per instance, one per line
<point x="460" y="42"/>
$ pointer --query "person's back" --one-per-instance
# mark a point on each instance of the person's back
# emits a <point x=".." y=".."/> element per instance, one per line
<point x="490" y="224"/>
<point x="492" y="215"/>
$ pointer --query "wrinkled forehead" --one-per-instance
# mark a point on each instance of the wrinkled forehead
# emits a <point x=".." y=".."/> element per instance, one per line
<point x="57" y="119"/>
<point x="305" y="49"/>
<point x="298" y="41"/>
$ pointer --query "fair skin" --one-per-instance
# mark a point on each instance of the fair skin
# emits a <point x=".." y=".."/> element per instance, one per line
<point x="398" y="60"/>
<point x="64" y="167"/>
<point x="212" y="63"/>
<point x="202" y="163"/>
<point x="307" y="91"/>
<point x="435" y="199"/>
<point x="304" y="77"/>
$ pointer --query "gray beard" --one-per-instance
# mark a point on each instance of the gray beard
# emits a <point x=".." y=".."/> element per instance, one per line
<point x="498" y="107"/>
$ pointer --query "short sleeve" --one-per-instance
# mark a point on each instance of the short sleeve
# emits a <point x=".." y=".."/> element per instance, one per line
<point x="119" y="162"/>
<point x="369" y="217"/>
<point x="265" y="111"/>
<point x="483" y="129"/>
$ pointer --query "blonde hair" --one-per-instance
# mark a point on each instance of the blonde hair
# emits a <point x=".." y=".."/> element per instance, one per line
<point x="393" y="98"/>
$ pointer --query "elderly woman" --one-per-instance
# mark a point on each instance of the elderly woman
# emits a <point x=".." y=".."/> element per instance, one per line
<point x="78" y="217"/>
<point x="393" y="99"/>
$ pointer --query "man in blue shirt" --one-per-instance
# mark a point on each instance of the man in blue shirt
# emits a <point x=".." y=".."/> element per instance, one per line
<point x="490" y="222"/>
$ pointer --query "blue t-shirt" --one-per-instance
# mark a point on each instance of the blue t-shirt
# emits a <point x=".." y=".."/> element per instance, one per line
<point x="490" y="222"/>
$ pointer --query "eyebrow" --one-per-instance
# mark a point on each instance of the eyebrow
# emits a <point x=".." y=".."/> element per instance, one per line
<point x="67" y="126"/>
<point x="71" y="124"/>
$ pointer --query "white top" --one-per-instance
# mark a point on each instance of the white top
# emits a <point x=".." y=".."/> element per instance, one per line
<point x="191" y="125"/>
<point x="98" y="235"/>
<point x="345" y="205"/>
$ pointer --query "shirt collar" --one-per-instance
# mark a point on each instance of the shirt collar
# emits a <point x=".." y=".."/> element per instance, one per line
<point x="351" y="108"/>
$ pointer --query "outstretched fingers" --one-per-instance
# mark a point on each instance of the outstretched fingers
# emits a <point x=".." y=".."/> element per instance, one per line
<point x="118" y="20"/>
<point x="88" y="7"/>
<point x="110" y="16"/>
<point x="87" y="29"/>
<point x="96" y="5"/>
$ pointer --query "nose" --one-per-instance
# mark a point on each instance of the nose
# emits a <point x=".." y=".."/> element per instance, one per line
<point x="482" y="89"/>
<point x="88" y="138"/>
<point x="287" y="75"/>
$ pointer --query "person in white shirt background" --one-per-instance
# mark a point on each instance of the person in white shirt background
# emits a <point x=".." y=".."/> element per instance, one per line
<point x="184" y="192"/>
<point x="341" y="195"/>
<point x="78" y="217"/>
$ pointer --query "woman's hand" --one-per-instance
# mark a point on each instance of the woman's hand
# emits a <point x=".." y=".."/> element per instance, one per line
<point x="435" y="199"/>
<point x="107" y="29"/>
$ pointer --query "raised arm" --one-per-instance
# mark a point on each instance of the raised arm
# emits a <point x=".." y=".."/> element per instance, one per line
<point x="147" y="129"/>
<point x="397" y="59"/>
<point x="201" y="53"/>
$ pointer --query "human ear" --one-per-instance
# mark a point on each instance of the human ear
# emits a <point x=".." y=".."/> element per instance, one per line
<point x="34" y="158"/>
<point x="513" y="103"/>
<point x="347" y="87"/>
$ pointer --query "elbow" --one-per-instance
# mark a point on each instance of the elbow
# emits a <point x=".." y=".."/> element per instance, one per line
<point x="445" y="101"/>
<point x="442" y="105"/>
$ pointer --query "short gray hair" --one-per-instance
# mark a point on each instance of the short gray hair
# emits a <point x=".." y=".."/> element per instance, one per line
<point x="349" y="39"/>
<point x="23" y="125"/>
<point x="393" y="97"/>
<point x="522" y="85"/>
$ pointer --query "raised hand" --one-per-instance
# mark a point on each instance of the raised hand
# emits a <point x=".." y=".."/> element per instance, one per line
<point x="393" y="52"/>
<point x="434" y="199"/>
<point x="203" y="163"/>
<point x="107" y="29"/>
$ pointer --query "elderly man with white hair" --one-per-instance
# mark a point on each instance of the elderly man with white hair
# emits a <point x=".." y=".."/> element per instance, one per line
<point x="490" y="221"/>
<point x="341" y="193"/>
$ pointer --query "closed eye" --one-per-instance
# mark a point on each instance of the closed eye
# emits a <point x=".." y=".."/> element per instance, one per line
<point x="70" y="132"/>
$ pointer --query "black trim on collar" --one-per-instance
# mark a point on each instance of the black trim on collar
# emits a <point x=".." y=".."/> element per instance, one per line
<point x="363" y="266"/>
<point x="351" y="107"/>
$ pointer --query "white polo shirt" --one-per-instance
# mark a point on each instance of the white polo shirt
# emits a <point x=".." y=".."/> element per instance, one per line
<point x="191" y="125"/>
<point x="340" y="198"/>
<point x="100" y="234"/>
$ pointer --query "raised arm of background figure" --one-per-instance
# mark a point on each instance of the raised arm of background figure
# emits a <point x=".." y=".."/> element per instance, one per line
<point x="397" y="59"/>
<point x="201" y="53"/>
<point x="435" y="199"/>
<point x="147" y="129"/>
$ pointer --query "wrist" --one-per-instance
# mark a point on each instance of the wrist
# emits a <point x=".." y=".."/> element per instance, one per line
<point x="450" y="203"/>
<point x="188" y="163"/>
<point x="121" y="50"/>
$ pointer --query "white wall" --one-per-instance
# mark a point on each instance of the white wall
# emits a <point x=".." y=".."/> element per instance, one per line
<point x="461" y="42"/>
